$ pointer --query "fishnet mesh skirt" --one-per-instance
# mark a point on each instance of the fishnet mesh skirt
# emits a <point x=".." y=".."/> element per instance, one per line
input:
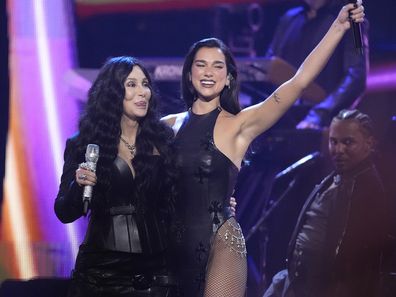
<point x="227" y="267"/>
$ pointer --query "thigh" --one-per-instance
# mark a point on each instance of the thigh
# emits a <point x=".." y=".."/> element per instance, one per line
<point x="227" y="267"/>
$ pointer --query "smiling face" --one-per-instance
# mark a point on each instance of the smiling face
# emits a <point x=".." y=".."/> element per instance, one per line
<point x="348" y="144"/>
<point x="137" y="94"/>
<point x="209" y="73"/>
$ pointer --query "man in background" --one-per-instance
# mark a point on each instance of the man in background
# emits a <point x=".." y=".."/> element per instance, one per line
<point x="338" y="241"/>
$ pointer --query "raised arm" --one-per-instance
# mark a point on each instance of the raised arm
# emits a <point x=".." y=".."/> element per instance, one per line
<point x="351" y="86"/>
<point x="257" y="118"/>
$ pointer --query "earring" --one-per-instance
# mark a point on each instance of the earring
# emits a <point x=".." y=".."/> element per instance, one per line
<point x="229" y="78"/>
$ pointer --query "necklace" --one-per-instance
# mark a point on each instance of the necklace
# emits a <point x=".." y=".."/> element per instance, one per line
<point x="131" y="147"/>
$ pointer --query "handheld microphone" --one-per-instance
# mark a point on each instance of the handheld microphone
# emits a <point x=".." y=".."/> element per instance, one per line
<point x="302" y="163"/>
<point x="357" y="33"/>
<point x="91" y="158"/>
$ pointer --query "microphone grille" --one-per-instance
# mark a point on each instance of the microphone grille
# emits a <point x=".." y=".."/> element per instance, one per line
<point x="92" y="153"/>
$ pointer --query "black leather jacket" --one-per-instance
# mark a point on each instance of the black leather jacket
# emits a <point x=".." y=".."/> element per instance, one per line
<point x="115" y="223"/>
<point x="343" y="78"/>
<point x="356" y="232"/>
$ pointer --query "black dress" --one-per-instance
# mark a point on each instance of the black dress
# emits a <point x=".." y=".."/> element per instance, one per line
<point x="207" y="179"/>
<point x="124" y="250"/>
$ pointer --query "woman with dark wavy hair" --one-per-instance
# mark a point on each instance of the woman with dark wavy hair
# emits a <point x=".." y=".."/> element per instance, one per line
<point x="124" y="250"/>
<point x="211" y="140"/>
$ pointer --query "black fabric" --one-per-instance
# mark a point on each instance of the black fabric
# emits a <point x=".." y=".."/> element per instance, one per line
<point x="124" y="249"/>
<point x="111" y="273"/>
<point x="121" y="227"/>
<point x="207" y="179"/>
<point x="355" y="239"/>
<point x="313" y="233"/>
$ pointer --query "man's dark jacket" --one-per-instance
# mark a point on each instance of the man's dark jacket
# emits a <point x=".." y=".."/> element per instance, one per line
<point x="356" y="235"/>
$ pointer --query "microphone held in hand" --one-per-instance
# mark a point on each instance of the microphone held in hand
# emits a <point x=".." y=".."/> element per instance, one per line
<point x="91" y="158"/>
<point x="357" y="33"/>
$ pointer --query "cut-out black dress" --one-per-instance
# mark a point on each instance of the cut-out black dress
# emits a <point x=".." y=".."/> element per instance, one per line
<point x="209" y="246"/>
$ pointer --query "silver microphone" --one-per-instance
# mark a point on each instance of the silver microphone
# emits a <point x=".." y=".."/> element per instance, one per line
<point x="91" y="158"/>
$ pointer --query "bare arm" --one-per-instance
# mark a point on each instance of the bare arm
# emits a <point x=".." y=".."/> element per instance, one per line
<point x="68" y="203"/>
<point x="256" y="119"/>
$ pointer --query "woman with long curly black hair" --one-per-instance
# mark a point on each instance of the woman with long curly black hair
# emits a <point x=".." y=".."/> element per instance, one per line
<point x="124" y="250"/>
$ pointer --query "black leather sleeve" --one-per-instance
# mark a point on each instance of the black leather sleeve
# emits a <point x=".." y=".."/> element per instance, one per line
<point x="68" y="203"/>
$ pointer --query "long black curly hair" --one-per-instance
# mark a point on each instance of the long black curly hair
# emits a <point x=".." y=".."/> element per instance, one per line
<point x="101" y="124"/>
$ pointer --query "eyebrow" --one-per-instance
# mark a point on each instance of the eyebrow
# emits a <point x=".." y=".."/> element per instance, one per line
<point x="204" y="61"/>
<point x="342" y="139"/>
<point x="135" y="79"/>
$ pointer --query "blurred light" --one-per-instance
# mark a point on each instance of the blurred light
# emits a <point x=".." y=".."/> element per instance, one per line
<point x="50" y="99"/>
<point x="382" y="78"/>
<point x="17" y="217"/>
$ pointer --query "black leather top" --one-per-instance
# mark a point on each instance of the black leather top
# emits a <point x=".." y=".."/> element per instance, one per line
<point x="121" y="227"/>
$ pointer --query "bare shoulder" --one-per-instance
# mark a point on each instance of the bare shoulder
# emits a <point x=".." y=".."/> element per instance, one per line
<point x="227" y="120"/>
<point x="175" y="120"/>
<point x="226" y="115"/>
<point x="171" y="119"/>
<point x="229" y="117"/>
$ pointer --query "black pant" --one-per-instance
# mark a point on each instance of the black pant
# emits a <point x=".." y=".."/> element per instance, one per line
<point x="83" y="285"/>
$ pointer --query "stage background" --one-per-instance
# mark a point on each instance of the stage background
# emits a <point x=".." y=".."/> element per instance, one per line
<point x="47" y="49"/>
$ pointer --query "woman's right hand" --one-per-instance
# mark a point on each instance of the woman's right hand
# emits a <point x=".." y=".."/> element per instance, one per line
<point x="85" y="176"/>
<point x="232" y="206"/>
<point x="353" y="12"/>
